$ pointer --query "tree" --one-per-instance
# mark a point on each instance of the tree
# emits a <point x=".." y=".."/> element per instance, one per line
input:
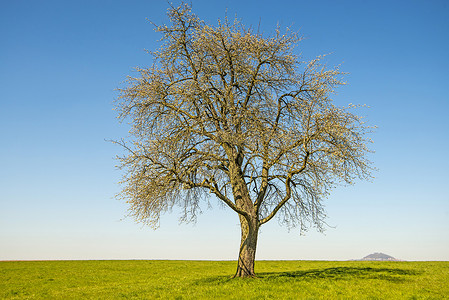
<point x="226" y="111"/>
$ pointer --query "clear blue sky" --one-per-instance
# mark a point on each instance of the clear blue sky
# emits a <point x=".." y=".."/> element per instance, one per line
<point x="60" y="62"/>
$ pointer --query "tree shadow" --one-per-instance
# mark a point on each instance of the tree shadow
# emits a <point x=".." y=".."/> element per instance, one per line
<point x="337" y="273"/>
<point x="344" y="273"/>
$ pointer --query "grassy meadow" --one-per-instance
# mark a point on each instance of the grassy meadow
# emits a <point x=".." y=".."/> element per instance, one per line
<point x="139" y="279"/>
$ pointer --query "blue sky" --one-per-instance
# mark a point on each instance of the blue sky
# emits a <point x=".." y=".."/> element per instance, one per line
<point x="60" y="62"/>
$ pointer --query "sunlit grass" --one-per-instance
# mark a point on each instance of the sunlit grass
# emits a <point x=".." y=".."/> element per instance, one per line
<point x="212" y="279"/>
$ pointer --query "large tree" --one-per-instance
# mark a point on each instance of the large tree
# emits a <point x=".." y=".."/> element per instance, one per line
<point x="229" y="112"/>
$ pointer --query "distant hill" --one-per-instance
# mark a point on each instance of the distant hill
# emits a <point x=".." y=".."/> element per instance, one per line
<point x="379" y="256"/>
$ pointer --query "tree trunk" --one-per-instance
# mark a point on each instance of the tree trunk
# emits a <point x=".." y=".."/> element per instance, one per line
<point x="249" y="222"/>
<point x="247" y="253"/>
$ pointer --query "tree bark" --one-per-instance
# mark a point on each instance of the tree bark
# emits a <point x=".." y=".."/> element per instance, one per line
<point x="247" y="253"/>
<point x="249" y="222"/>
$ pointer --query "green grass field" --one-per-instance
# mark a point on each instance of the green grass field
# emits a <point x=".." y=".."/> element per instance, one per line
<point x="211" y="279"/>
